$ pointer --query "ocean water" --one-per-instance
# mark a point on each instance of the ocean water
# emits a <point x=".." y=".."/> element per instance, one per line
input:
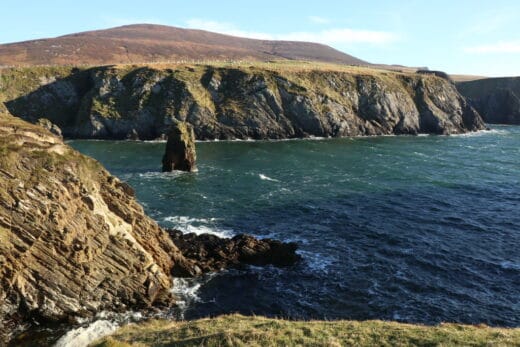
<point x="422" y="229"/>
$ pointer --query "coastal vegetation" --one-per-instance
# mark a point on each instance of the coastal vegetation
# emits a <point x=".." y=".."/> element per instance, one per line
<point x="238" y="330"/>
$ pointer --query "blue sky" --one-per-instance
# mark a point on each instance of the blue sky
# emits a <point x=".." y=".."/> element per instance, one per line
<point x="457" y="36"/>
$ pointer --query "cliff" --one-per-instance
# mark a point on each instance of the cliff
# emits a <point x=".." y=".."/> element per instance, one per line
<point x="73" y="240"/>
<point x="496" y="99"/>
<point x="265" y="101"/>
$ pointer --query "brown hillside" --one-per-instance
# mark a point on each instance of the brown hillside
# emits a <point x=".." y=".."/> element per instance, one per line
<point x="155" y="43"/>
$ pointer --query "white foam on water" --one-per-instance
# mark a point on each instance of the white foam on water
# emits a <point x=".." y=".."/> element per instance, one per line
<point x="186" y="291"/>
<point x="199" y="226"/>
<point x="481" y="133"/>
<point x="83" y="336"/>
<point x="509" y="265"/>
<point x="315" y="261"/>
<point x="266" y="178"/>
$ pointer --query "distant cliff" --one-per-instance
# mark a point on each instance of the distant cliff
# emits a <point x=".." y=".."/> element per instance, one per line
<point x="263" y="102"/>
<point x="496" y="99"/>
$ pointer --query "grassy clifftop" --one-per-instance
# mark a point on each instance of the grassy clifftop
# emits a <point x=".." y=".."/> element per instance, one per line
<point x="237" y="330"/>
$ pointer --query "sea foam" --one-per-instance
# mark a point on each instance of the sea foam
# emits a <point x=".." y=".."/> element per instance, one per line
<point x="198" y="226"/>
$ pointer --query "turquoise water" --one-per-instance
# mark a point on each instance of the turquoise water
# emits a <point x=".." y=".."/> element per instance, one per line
<point x="418" y="229"/>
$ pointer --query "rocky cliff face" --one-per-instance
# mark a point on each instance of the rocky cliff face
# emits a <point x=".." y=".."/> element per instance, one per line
<point x="496" y="99"/>
<point x="73" y="240"/>
<point x="238" y="103"/>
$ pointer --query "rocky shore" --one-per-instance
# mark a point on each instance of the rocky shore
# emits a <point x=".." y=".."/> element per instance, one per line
<point x="270" y="101"/>
<point x="74" y="241"/>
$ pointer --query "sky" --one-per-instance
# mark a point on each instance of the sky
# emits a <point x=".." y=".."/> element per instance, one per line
<point x="458" y="36"/>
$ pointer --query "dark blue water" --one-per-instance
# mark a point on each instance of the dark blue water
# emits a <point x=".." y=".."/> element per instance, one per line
<point x="416" y="229"/>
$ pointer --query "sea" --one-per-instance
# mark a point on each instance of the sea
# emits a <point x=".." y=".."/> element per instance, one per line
<point x="417" y="229"/>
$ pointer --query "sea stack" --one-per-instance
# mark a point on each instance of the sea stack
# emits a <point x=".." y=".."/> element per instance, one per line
<point x="180" y="149"/>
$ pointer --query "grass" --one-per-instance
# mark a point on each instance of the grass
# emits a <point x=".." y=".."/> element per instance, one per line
<point x="237" y="330"/>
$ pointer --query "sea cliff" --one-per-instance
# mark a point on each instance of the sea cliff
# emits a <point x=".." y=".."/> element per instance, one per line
<point x="265" y="101"/>
<point x="496" y="99"/>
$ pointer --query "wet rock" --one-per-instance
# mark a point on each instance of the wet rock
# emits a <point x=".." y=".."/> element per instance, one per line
<point x="180" y="149"/>
<point x="212" y="253"/>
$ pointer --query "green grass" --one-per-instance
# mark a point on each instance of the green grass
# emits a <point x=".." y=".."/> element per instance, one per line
<point x="237" y="330"/>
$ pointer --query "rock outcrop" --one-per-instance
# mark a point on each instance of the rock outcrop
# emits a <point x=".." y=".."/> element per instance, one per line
<point x="180" y="149"/>
<point x="269" y="102"/>
<point x="73" y="239"/>
<point x="496" y="99"/>
<point x="212" y="253"/>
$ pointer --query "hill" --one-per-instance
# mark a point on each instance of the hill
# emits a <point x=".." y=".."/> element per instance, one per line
<point x="158" y="43"/>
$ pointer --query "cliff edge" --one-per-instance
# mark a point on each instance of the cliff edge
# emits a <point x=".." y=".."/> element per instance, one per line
<point x="496" y="99"/>
<point x="265" y="101"/>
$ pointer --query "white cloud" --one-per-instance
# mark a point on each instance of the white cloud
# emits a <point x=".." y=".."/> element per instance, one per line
<point x="225" y="28"/>
<point x="499" y="47"/>
<point x="319" y="20"/>
<point x="330" y="36"/>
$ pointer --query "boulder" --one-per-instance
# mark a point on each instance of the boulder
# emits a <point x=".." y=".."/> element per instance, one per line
<point x="212" y="253"/>
<point x="180" y="149"/>
<point x="47" y="124"/>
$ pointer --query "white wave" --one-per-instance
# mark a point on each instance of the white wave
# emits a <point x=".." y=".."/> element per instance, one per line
<point x="266" y="178"/>
<point x="509" y="265"/>
<point x="199" y="226"/>
<point x="185" y="291"/>
<point x="83" y="336"/>
<point x="315" y="261"/>
<point x="481" y="133"/>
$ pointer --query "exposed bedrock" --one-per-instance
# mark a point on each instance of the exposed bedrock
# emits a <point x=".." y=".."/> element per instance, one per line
<point x="496" y="99"/>
<point x="237" y="103"/>
<point x="180" y="149"/>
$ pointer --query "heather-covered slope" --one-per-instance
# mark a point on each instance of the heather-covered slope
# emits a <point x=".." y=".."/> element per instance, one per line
<point x="158" y="43"/>
<point x="265" y="101"/>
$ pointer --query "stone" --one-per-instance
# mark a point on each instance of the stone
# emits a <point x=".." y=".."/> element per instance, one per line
<point x="47" y="124"/>
<point x="212" y="253"/>
<point x="180" y="149"/>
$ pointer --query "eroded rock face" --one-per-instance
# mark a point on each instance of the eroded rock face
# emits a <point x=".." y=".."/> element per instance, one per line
<point x="240" y="103"/>
<point x="73" y="239"/>
<point x="212" y="253"/>
<point x="180" y="149"/>
<point x="496" y="99"/>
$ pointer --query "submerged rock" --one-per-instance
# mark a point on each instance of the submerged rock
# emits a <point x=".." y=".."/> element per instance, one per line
<point x="180" y="149"/>
<point x="212" y="253"/>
